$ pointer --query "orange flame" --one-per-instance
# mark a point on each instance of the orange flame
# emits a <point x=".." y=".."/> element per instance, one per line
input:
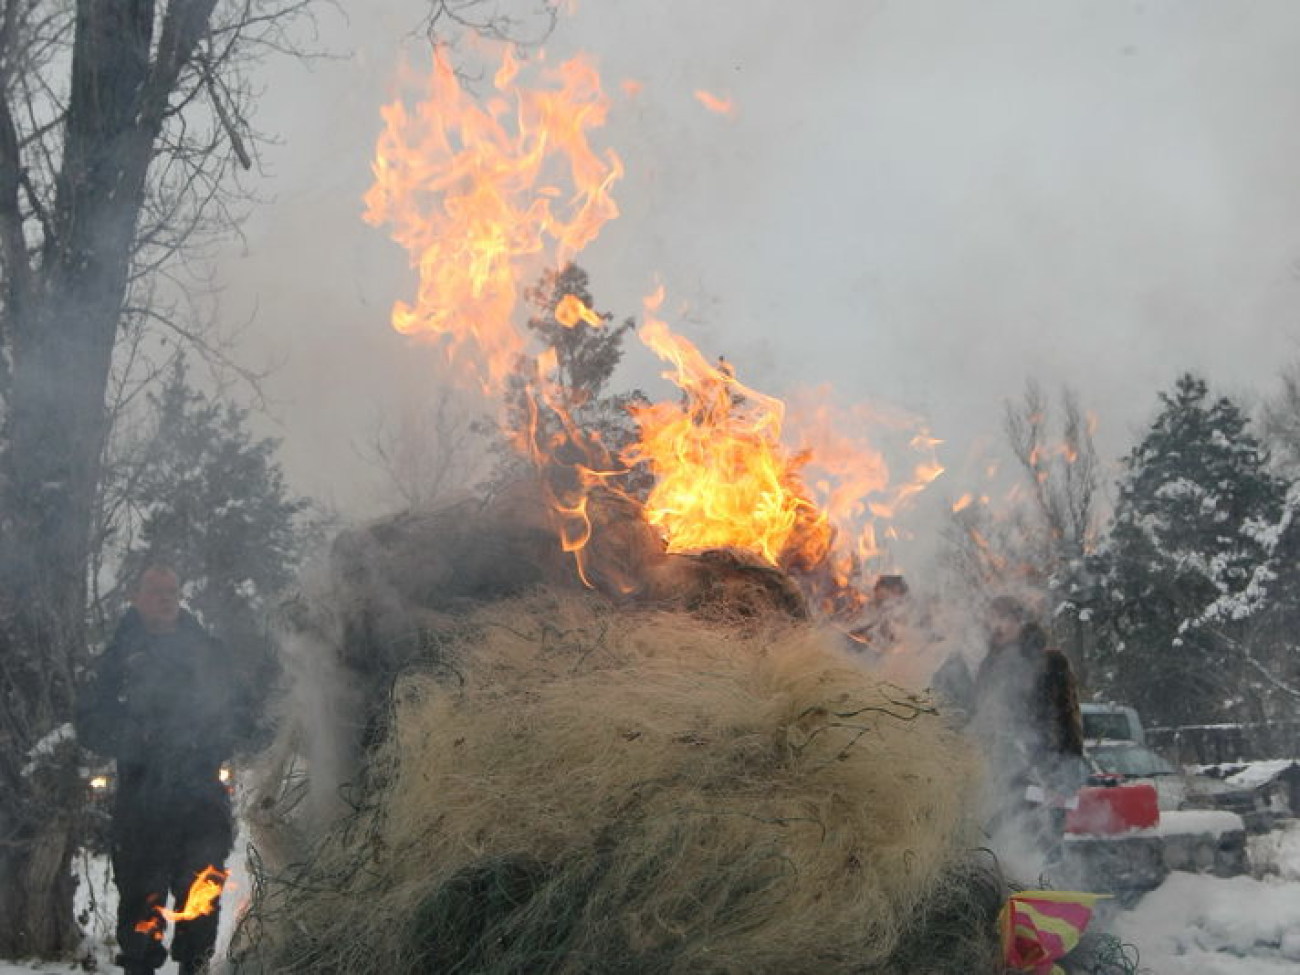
<point x="152" y="925"/>
<point x="202" y="896"/>
<point x="716" y="104"/>
<point x="474" y="194"/>
<point x="571" y="310"/>
<point x="201" y="899"/>
<point x="470" y="192"/>
<point x="566" y="482"/>
<point x="724" y="476"/>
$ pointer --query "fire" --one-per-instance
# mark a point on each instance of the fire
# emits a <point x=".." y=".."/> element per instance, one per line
<point x="201" y="899"/>
<point x="725" y="477"/>
<point x="722" y="476"/>
<point x="716" y="104"/>
<point x="569" y="461"/>
<point x="571" y="310"/>
<point x="202" y="896"/>
<point x="483" y="197"/>
<point x="471" y="192"/>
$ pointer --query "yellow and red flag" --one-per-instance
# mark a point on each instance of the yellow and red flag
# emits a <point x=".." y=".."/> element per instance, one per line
<point x="1039" y="927"/>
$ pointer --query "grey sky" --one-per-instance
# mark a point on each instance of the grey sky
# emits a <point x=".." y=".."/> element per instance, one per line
<point x="921" y="203"/>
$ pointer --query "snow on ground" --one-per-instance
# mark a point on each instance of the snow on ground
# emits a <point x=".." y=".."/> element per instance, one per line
<point x="96" y="905"/>
<point x="1199" y="925"/>
<point x="1191" y="925"/>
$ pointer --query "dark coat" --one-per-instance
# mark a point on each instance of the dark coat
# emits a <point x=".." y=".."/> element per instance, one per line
<point x="168" y="706"/>
<point x="1026" y="704"/>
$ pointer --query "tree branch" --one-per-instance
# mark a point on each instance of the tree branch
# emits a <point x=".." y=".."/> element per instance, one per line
<point x="13" y="243"/>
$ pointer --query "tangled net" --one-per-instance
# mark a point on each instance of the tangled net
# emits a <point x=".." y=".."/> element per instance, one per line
<point x="565" y="786"/>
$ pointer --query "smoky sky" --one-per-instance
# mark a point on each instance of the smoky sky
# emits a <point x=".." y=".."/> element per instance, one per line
<point x="921" y="203"/>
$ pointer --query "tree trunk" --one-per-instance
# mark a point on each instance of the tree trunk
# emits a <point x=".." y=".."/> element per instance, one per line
<point x="62" y="333"/>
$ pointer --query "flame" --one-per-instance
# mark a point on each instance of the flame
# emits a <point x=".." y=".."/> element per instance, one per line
<point x="724" y="476"/>
<point x="569" y="461"/>
<point x="471" y="193"/>
<point x="205" y="890"/>
<point x="715" y="103"/>
<point x="571" y="310"/>
<point x="152" y="925"/>
<point x="202" y="896"/>
<point x="965" y="501"/>
<point x="483" y="196"/>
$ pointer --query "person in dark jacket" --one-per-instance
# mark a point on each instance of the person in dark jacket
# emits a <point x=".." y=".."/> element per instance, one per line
<point x="1025" y="709"/>
<point x="163" y="699"/>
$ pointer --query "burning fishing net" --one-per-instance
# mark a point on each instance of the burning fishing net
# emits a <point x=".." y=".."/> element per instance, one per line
<point x="570" y="786"/>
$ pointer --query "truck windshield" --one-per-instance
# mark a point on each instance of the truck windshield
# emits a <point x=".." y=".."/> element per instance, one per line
<point x="1130" y="760"/>
<point x="1107" y="724"/>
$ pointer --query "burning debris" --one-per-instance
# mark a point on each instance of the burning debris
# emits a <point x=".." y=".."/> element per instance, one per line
<point x="485" y="193"/>
<point x="585" y="730"/>
<point x="393" y="585"/>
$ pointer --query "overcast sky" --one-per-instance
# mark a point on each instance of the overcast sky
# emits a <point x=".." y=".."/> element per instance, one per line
<point x="921" y="202"/>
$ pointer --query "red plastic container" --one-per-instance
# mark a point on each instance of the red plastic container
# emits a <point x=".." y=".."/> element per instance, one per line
<point x="1108" y="810"/>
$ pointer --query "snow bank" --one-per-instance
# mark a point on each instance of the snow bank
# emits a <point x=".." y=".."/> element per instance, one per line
<point x="1185" y="822"/>
<point x="1198" y="925"/>
<point x="1195" y="924"/>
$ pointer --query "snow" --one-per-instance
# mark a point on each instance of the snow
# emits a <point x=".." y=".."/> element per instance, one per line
<point x="1250" y="775"/>
<point x="1193" y="924"/>
<point x="96" y="902"/>
<point x="1188" y="822"/>
<point x="1199" y="925"/>
<point x="1182" y="822"/>
<point x="47" y="746"/>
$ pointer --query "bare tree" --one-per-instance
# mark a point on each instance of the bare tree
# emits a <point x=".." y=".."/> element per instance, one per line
<point x="1280" y="420"/>
<point x="122" y="123"/>
<point x="1063" y="475"/>
<point x="430" y="451"/>
<point x="1036" y="543"/>
<point x="1062" y="471"/>
<point x="526" y="24"/>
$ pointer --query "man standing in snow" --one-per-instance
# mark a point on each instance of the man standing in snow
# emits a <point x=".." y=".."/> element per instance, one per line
<point x="1026" y="711"/>
<point x="164" y="701"/>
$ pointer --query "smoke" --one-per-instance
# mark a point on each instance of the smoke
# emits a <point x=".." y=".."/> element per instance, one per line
<point x="918" y="203"/>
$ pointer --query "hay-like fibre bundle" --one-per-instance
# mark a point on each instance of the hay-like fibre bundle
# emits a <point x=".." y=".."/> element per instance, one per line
<point x="601" y="790"/>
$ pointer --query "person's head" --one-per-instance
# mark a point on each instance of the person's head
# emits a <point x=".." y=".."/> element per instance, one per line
<point x="1005" y="620"/>
<point x="157" y="598"/>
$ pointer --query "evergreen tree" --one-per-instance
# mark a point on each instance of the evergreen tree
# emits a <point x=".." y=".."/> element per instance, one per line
<point x="208" y="498"/>
<point x="1186" y="561"/>
<point x="576" y="419"/>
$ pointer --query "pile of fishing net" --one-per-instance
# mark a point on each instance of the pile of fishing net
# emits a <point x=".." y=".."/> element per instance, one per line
<point x="566" y="785"/>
